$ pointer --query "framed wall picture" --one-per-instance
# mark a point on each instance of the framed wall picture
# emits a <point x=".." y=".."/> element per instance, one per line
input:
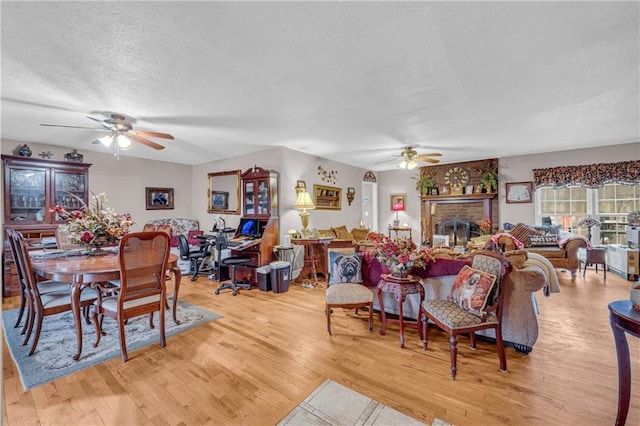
<point x="398" y="202"/>
<point x="327" y="197"/>
<point x="219" y="200"/>
<point x="159" y="198"/>
<point x="519" y="192"/>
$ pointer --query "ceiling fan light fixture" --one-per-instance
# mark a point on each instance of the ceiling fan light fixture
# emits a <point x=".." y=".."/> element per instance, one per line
<point x="412" y="164"/>
<point x="403" y="164"/>
<point x="124" y="142"/>
<point x="106" y="140"/>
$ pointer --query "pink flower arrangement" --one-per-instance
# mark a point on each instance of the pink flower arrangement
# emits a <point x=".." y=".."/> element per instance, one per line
<point x="399" y="255"/>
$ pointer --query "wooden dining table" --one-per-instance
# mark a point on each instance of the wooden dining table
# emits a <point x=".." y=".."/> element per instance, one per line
<point x="82" y="270"/>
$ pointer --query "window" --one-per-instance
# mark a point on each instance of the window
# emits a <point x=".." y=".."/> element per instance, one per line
<point x="610" y="204"/>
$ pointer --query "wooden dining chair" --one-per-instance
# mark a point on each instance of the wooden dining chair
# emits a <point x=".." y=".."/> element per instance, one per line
<point x="143" y="260"/>
<point x="43" y="286"/>
<point x="149" y="227"/>
<point x="44" y="298"/>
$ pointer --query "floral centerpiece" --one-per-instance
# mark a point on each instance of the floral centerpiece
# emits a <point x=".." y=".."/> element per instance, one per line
<point x="399" y="255"/>
<point x="95" y="225"/>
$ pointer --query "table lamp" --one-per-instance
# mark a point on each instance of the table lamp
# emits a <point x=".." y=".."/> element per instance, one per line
<point x="396" y="208"/>
<point x="303" y="203"/>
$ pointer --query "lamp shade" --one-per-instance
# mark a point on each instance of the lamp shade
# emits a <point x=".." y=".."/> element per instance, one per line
<point x="398" y="207"/>
<point x="304" y="201"/>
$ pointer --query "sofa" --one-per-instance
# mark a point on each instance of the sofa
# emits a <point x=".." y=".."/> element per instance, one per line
<point x="560" y="248"/>
<point x="520" y="323"/>
<point x="180" y="226"/>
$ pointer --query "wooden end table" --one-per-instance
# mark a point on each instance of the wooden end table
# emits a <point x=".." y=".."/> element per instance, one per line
<point x="400" y="287"/>
<point x="624" y="318"/>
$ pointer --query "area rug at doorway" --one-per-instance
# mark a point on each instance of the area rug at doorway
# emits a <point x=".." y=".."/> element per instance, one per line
<point x="57" y="344"/>
<point x="334" y="404"/>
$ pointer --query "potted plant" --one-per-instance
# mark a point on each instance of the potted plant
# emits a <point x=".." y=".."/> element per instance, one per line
<point x="489" y="180"/>
<point x="425" y="184"/>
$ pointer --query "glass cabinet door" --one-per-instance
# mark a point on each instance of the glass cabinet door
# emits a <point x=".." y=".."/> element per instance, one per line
<point x="249" y="199"/>
<point x="27" y="195"/>
<point x="263" y="198"/>
<point x="69" y="190"/>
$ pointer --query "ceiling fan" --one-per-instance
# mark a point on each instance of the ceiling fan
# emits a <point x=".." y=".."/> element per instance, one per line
<point x="411" y="158"/>
<point x="121" y="130"/>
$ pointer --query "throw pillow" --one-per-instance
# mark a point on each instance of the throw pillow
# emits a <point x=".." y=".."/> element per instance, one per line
<point x="471" y="289"/>
<point x="191" y="237"/>
<point x="345" y="268"/>
<point x="360" y="234"/>
<point x="544" y="240"/>
<point x="325" y="233"/>
<point x="342" y="233"/>
<point x="522" y="233"/>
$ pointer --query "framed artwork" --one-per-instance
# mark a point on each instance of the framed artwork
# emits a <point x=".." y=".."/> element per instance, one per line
<point x="434" y="191"/>
<point x="519" y="192"/>
<point x="327" y="197"/>
<point x="159" y="198"/>
<point x="219" y="200"/>
<point x="301" y="185"/>
<point x="398" y="202"/>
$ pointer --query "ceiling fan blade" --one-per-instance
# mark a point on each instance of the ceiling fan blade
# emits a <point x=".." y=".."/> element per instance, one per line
<point x="386" y="161"/>
<point x="150" y="134"/>
<point x="103" y="123"/>
<point x="146" y="142"/>
<point x="429" y="160"/>
<point x="433" y="154"/>
<point x="71" y="127"/>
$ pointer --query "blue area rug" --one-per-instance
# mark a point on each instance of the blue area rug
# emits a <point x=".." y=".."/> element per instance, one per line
<point x="57" y="344"/>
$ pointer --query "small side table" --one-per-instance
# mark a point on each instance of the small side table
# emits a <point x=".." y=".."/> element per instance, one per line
<point x="595" y="256"/>
<point x="397" y="229"/>
<point x="624" y="318"/>
<point x="400" y="287"/>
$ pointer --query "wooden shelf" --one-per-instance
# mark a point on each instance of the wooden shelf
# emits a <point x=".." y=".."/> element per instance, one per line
<point x="466" y="197"/>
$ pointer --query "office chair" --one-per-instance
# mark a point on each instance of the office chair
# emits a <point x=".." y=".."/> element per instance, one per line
<point x="232" y="263"/>
<point x="195" y="257"/>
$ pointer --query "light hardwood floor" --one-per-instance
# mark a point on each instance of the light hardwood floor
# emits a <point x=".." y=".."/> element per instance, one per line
<point x="271" y="350"/>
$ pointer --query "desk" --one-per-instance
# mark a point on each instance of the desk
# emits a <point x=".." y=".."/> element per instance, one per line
<point x="400" y="287"/>
<point x="397" y="229"/>
<point x="81" y="271"/>
<point x="624" y="318"/>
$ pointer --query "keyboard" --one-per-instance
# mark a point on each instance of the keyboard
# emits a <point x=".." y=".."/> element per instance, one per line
<point x="232" y="243"/>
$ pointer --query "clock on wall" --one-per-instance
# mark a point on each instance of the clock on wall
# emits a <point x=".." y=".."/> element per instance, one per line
<point x="458" y="176"/>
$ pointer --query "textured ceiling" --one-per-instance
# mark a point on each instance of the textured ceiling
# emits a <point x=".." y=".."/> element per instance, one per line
<point x="349" y="81"/>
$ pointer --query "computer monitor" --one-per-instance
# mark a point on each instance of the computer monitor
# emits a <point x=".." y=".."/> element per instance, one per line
<point x="248" y="227"/>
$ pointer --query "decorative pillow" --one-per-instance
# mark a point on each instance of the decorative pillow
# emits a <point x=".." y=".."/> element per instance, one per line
<point x="522" y="233"/>
<point x="544" y="240"/>
<point x="548" y="229"/>
<point x="360" y="234"/>
<point x="471" y="289"/>
<point x="191" y="237"/>
<point x="345" y="268"/>
<point x="342" y="233"/>
<point x="325" y="233"/>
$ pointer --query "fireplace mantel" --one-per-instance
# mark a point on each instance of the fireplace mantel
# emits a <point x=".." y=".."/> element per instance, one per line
<point x="431" y="200"/>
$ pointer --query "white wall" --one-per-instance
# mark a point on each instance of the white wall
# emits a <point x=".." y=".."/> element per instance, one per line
<point x="291" y="166"/>
<point x="512" y="169"/>
<point x="124" y="181"/>
<point x="520" y="169"/>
